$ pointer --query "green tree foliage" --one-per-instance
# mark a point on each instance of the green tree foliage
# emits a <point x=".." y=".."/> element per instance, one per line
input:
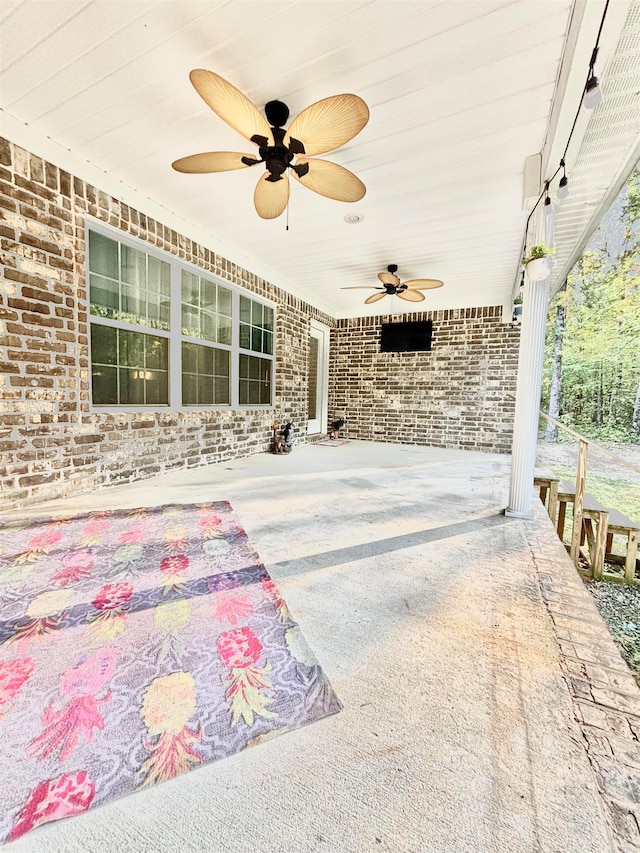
<point x="601" y="341"/>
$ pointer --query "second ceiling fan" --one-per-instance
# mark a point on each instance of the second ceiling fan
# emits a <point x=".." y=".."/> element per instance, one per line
<point x="410" y="290"/>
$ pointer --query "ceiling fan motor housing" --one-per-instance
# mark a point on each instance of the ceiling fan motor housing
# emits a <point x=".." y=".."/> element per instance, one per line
<point x="278" y="157"/>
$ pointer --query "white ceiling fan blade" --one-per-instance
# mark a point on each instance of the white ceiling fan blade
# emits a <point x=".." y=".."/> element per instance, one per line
<point x="230" y="104"/>
<point x="389" y="278"/>
<point x="212" y="161"/>
<point x="411" y="295"/>
<point x="271" y="197"/>
<point x="329" y="123"/>
<point x="423" y="283"/>
<point x="330" y="180"/>
<point x="374" y="298"/>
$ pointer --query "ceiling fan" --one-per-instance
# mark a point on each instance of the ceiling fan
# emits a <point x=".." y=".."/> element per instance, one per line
<point x="392" y="286"/>
<point x="322" y="127"/>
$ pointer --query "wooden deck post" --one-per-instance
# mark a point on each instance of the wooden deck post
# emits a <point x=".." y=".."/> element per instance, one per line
<point x="597" y="558"/>
<point x="630" y="561"/>
<point x="578" y="503"/>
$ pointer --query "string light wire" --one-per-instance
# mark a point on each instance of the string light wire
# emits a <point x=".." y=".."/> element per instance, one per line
<point x="594" y="54"/>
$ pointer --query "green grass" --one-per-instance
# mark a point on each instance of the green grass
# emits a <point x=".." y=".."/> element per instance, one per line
<point x="613" y="492"/>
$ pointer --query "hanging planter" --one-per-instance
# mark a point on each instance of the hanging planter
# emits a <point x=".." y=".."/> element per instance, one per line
<point x="517" y="313"/>
<point x="538" y="262"/>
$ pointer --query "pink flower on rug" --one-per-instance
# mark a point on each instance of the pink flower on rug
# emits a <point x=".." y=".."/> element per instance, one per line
<point x="113" y="596"/>
<point x="12" y="676"/>
<point x="240" y="651"/>
<point x="132" y="537"/>
<point x="39" y="545"/>
<point x="210" y="525"/>
<point x="232" y="606"/>
<point x="63" y="728"/>
<point x="76" y="565"/>
<point x="93" y="532"/>
<point x="46" y="540"/>
<point x="176" y="565"/>
<point x="273" y="594"/>
<point x="69" y="794"/>
<point x="239" y="648"/>
<point x="110" y="619"/>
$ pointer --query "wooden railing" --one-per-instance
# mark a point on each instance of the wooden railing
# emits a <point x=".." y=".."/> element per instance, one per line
<point x="581" y="476"/>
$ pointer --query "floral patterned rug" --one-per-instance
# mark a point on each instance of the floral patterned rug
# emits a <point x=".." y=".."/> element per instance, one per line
<point x="137" y="645"/>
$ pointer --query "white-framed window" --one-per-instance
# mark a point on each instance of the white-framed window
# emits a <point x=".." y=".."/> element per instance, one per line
<point x="167" y="335"/>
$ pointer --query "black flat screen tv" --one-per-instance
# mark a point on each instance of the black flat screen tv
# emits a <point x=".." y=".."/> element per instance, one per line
<point x="412" y="336"/>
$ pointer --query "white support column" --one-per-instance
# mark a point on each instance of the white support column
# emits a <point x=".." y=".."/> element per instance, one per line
<point x="530" y="368"/>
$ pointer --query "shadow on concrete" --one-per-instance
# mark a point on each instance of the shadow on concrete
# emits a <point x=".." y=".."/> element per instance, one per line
<point x="326" y="559"/>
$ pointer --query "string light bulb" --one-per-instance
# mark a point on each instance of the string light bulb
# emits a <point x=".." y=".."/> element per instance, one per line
<point x="563" y="188"/>
<point x="593" y="96"/>
<point x="548" y="209"/>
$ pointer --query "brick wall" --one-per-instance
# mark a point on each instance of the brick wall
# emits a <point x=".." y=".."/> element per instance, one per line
<point x="50" y="443"/>
<point x="453" y="396"/>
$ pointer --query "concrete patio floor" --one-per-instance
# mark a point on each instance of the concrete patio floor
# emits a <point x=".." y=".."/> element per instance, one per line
<point x="424" y="606"/>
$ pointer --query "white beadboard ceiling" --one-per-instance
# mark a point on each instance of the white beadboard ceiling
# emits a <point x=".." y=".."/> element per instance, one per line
<point x="460" y="93"/>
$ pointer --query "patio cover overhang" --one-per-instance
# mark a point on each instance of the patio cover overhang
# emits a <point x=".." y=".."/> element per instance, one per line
<point x="460" y="95"/>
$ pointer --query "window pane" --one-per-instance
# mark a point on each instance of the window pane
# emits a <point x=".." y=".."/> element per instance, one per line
<point x="205" y="360"/>
<point x="190" y="323"/>
<point x="157" y="310"/>
<point x="199" y="387"/>
<point x="224" y="301"/>
<point x="157" y="352"/>
<point x="205" y="390"/>
<point x="245" y="310"/>
<point x="267" y="343"/>
<point x="159" y="274"/>
<point x="133" y="266"/>
<point x="222" y="362"/>
<point x="254" y="368"/>
<point x="131" y="386"/>
<point x="134" y="309"/>
<point x="268" y="319"/>
<point x="244" y="366"/>
<point x="244" y="391"/>
<point x="189" y="390"/>
<point x="104" y="345"/>
<point x="254" y="392"/>
<point x="207" y="326"/>
<point x="189" y="358"/>
<point x="256" y="314"/>
<point x="256" y="339"/>
<point x="265" y="392"/>
<point x="190" y="288"/>
<point x="103" y="295"/>
<point x="131" y="349"/>
<point x="224" y="330"/>
<point x="156" y="387"/>
<point x="104" y="384"/>
<point x="207" y="294"/>
<point x="245" y="336"/>
<point x="103" y="255"/>
<point x="222" y="391"/>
